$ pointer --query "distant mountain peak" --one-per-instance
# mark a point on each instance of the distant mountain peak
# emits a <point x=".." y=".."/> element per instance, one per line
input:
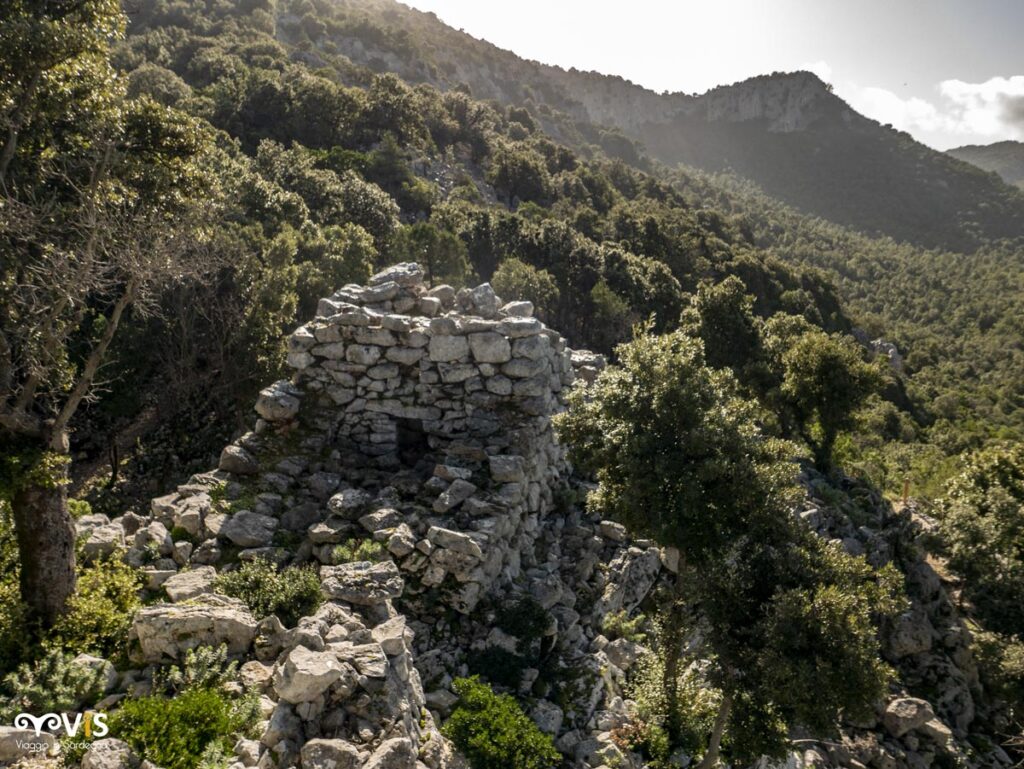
<point x="785" y="131"/>
<point x="1005" y="158"/>
<point x="788" y="101"/>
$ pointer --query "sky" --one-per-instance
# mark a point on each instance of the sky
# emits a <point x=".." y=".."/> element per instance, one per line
<point x="950" y="72"/>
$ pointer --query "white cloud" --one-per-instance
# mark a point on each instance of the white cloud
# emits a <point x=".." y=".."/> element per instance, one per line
<point x="906" y="114"/>
<point x="992" y="108"/>
<point x="986" y="111"/>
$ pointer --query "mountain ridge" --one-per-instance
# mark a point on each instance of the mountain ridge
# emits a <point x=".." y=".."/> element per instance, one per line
<point x="787" y="132"/>
<point x="1005" y="158"/>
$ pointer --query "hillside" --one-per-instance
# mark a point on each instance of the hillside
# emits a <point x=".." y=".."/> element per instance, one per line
<point x="1004" y="158"/>
<point x="786" y="132"/>
<point x="561" y="455"/>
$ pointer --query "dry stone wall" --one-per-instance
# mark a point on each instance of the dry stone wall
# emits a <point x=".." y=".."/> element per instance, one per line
<point x="454" y="385"/>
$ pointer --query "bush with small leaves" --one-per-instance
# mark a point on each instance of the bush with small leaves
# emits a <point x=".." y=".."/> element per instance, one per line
<point x="13" y="640"/>
<point x="981" y="518"/>
<point x="51" y="684"/>
<point x="499" y="666"/>
<point x="696" y="705"/>
<point x="650" y="740"/>
<point x="516" y="280"/>
<point x="100" y="612"/>
<point x="492" y="731"/>
<point x="183" y="731"/>
<point x="619" y="625"/>
<point x="79" y="507"/>
<point x="527" y="620"/>
<point x="359" y="550"/>
<point x="291" y="593"/>
<point x="205" y="667"/>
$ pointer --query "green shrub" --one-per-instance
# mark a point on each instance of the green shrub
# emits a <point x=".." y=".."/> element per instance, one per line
<point x="205" y="667"/>
<point x="619" y="625"/>
<point x="100" y="612"/>
<point x="13" y="638"/>
<point x="79" y="507"/>
<point x="526" y="620"/>
<point x="72" y="749"/>
<point x="359" y="550"/>
<point x="515" y="279"/>
<point x="291" y="593"/>
<point x="181" y="732"/>
<point x="697" y="705"/>
<point x="492" y="731"/>
<point x="49" y="685"/>
<point x="179" y="534"/>
<point x="650" y="740"/>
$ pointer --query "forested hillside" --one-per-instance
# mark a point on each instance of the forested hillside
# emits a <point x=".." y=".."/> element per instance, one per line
<point x="965" y="369"/>
<point x="788" y="133"/>
<point x="209" y="203"/>
<point x="1004" y="158"/>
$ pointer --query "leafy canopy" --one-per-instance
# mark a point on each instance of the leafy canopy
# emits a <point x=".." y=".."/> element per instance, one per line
<point x="677" y="453"/>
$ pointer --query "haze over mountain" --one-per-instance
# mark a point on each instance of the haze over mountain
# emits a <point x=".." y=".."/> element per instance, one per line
<point x="1004" y="158"/>
<point x="787" y="132"/>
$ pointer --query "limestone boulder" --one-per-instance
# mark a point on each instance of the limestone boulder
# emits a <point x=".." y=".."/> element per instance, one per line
<point x="369" y="659"/>
<point x="103" y="541"/>
<point x="454" y="495"/>
<point x="235" y="459"/>
<point x="906" y="714"/>
<point x="190" y="583"/>
<point x="109" y="753"/>
<point x="305" y="675"/>
<point x="632" y="575"/>
<point x="17" y="743"/>
<point x="279" y="402"/>
<point x="362" y="583"/>
<point x="165" y="631"/>
<point x="447" y="348"/>
<point x="248" y="529"/>
<point x="330" y="754"/>
<point x="490" y="347"/>
<point x="396" y="753"/>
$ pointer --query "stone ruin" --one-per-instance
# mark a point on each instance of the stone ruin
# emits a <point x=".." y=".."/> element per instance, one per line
<point x="453" y="387"/>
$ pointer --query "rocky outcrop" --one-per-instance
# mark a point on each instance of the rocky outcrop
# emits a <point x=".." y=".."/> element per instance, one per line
<point x="930" y="716"/>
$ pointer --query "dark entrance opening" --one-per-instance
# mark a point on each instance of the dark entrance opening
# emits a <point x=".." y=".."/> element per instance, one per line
<point x="413" y="445"/>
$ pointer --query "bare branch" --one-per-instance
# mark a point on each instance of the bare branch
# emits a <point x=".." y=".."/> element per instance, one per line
<point x="95" y="359"/>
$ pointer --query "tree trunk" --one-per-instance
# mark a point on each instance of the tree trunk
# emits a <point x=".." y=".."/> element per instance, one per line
<point x="115" y="459"/>
<point x="673" y="650"/>
<point x="710" y="759"/>
<point x="46" y="544"/>
<point x="823" y="450"/>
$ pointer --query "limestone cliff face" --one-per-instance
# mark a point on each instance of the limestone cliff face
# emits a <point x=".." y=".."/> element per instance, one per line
<point x="788" y="102"/>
